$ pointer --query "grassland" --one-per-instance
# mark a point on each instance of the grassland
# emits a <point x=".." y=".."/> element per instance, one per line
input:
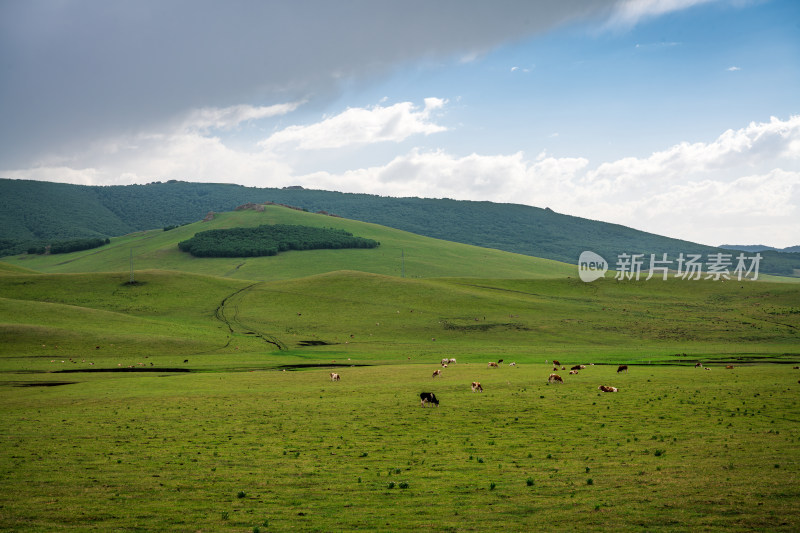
<point x="176" y="403"/>
<point x="677" y="449"/>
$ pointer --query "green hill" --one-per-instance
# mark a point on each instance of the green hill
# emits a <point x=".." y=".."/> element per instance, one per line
<point x="37" y="212"/>
<point x="400" y="253"/>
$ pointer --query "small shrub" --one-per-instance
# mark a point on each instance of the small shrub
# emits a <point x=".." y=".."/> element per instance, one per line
<point x="391" y="484"/>
<point x="241" y="494"/>
<point x="480" y="459"/>
<point x="529" y="482"/>
<point x="590" y="481"/>
<point x="224" y="515"/>
<point x="403" y="485"/>
<point x="659" y="453"/>
<point x="492" y="486"/>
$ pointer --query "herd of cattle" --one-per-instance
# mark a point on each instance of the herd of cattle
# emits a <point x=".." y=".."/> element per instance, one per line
<point x="430" y="398"/>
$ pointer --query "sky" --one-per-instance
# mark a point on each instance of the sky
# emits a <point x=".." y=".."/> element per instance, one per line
<point x="676" y="117"/>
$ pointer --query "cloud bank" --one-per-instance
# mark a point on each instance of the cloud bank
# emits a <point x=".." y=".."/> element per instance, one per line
<point x="77" y="71"/>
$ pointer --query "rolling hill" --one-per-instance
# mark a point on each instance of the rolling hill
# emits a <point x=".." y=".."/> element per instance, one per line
<point x="41" y="211"/>
<point x="400" y="253"/>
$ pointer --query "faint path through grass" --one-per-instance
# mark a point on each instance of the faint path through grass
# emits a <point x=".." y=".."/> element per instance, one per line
<point x="228" y="312"/>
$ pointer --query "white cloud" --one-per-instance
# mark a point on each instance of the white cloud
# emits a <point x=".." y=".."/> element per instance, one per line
<point x="227" y="118"/>
<point x="360" y="126"/>
<point x="727" y="190"/>
<point x="628" y="13"/>
<point x="733" y="69"/>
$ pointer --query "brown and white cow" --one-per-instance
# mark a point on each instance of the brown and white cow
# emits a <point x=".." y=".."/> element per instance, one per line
<point x="729" y="367"/>
<point x="437" y="372"/>
<point x="492" y="364"/>
<point x="622" y="368"/>
<point x="476" y="387"/>
<point x="555" y="378"/>
<point x="698" y="365"/>
<point x="335" y="376"/>
<point x="573" y="372"/>
<point x="556" y="363"/>
<point x="606" y="388"/>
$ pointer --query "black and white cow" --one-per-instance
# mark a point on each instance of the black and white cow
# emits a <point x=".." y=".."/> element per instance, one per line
<point x="428" y="397"/>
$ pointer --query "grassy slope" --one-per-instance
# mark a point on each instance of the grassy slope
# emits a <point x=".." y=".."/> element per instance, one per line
<point x="423" y="256"/>
<point x="371" y="317"/>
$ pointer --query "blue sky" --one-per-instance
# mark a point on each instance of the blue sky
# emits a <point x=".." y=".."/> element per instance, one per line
<point x="679" y="117"/>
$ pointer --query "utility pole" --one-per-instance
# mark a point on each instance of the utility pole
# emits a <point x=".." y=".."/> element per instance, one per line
<point x="131" y="280"/>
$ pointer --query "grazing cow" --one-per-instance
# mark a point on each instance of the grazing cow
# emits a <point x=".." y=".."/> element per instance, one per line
<point x="556" y="363"/>
<point x="512" y="364"/>
<point x="573" y="372"/>
<point x="499" y="361"/>
<point x="492" y="364"/>
<point x="556" y="369"/>
<point x="606" y="388"/>
<point x="622" y="368"/>
<point x="476" y="386"/>
<point x="452" y="360"/>
<point x="555" y="378"/>
<point x="335" y="376"/>
<point x="185" y="360"/>
<point x="437" y="372"/>
<point x="698" y="365"/>
<point x="577" y="367"/>
<point x="445" y="361"/>
<point x="428" y="397"/>
<point x="729" y="367"/>
<point x="707" y="368"/>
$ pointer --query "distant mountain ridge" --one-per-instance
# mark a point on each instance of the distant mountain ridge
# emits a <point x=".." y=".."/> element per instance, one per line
<point x="36" y="211"/>
<point x="759" y="248"/>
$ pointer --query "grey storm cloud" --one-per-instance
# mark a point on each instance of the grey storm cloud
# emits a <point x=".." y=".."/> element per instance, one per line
<point x="73" y="71"/>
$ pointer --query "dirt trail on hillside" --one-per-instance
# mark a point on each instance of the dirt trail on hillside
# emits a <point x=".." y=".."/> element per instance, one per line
<point x="228" y="313"/>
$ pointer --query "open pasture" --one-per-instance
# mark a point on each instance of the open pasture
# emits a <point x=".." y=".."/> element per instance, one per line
<point x="163" y="405"/>
<point x="220" y="323"/>
<point x="676" y="449"/>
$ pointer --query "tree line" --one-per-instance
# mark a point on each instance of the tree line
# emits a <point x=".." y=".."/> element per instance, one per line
<point x="65" y="247"/>
<point x="268" y="240"/>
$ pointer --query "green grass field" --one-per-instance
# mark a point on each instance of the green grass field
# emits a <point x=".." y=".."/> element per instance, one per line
<point x="676" y="449"/>
<point x="198" y="398"/>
